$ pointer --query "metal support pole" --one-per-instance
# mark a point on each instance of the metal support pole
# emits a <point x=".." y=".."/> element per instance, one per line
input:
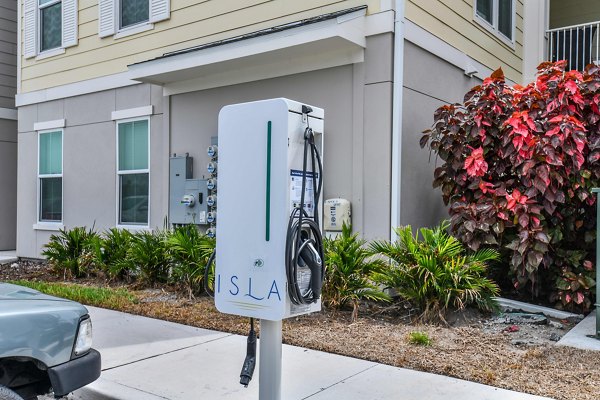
<point x="597" y="191"/>
<point x="269" y="360"/>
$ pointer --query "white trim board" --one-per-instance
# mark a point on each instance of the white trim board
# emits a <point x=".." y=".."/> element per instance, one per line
<point x="8" y="113"/>
<point x="48" y="226"/>
<point x="75" y="89"/>
<point x="132" y="113"/>
<point x="45" y="125"/>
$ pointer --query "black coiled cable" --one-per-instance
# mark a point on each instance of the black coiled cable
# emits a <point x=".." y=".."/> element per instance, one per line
<point x="304" y="243"/>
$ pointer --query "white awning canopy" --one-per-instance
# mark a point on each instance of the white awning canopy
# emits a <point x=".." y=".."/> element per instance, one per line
<point x="324" y="42"/>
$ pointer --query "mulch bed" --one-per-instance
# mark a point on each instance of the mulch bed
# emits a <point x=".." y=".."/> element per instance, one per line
<point x="473" y="349"/>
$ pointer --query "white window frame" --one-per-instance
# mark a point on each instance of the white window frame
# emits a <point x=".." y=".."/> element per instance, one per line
<point x="55" y="50"/>
<point x="130" y="226"/>
<point x="493" y="27"/>
<point x="50" y="225"/>
<point x="109" y="18"/>
<point x="131" y="29"/>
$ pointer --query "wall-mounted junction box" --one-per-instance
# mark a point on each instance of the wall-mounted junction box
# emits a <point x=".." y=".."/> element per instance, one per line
<point x="187" y="196"/>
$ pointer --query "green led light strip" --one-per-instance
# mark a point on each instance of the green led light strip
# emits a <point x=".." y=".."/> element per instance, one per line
<point x="268" y="216"/>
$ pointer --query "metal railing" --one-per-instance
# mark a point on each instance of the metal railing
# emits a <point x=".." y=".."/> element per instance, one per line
<point x="578" y="44"/>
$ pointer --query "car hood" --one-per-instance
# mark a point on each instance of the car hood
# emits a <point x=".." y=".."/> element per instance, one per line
<point x="14" y="292"/>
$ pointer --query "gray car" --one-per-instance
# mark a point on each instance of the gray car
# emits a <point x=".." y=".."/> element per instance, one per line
<point x="45" y="345"/>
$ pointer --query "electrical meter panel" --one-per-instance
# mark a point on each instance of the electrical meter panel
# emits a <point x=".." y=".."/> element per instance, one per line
<point x="260" y="172"/>
<point x="187" y="196"/>
<point x="336" y="213"/>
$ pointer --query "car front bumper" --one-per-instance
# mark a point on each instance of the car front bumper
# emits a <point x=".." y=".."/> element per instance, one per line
<point x="75" y="373"/>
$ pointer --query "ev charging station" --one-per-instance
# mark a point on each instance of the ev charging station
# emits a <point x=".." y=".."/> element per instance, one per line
<point x="269" y="255"/>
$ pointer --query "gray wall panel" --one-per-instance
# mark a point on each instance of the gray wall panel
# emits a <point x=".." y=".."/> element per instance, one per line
<point x="89" y="162"/>
<point x="50" y="111"/>
<point x="429" y="82"/>
<point x="27" y="195"/>
<point x="8" y="183"/>
<point x="379" y="58"/>
<point x="89" y="177"/>
<point x="158" y="210"/>
<point x="9" y="4"/>
<point x="8" y="49"/>
<point x="27" y="117"/>
<point x="8" y="131"/>
<point x="194" y="119"/>
<point x="90" y="108"/>
<point x="132" y="97"/>
<point x="8" y="25"/>
<point x="7" y="102"/>
<point x="377" y="160"/>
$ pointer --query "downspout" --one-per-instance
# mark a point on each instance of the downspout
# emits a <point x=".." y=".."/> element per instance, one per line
<point x="397" y="116"/>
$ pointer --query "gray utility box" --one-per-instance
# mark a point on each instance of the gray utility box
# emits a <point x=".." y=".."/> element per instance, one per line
<point x="187" y="196"/>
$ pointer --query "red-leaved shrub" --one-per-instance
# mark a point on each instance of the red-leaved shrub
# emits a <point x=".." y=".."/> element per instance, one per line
<point x="518" y="167"/>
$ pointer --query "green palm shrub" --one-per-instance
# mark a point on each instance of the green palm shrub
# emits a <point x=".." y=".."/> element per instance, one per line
<point x="188" y="252"/>
<point x="436" y="273"/>
<point x="349" y="273"/>
<point x="148" y="255"/>
<point x="111" y="254"/>
<point x="68" y="251"/>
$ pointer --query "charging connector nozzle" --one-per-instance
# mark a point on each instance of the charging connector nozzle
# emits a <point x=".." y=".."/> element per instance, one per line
<point x="250" y="360"/>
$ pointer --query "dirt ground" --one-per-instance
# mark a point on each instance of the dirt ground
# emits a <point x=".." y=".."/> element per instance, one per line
<point x="506" y="351"/>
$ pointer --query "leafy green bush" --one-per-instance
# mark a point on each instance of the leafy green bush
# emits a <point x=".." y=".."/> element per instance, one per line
<point x="111" y="254"/>
<point x="189" y="251"/>
<point x="69" y="250"/>
<point x="148" y="254"/>
<point x="436" y="273"/>
<point x="348" y="277"/>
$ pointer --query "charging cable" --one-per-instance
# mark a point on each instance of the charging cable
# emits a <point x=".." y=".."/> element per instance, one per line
<point x="250" y="361"/>
<point x="304" y="243"/>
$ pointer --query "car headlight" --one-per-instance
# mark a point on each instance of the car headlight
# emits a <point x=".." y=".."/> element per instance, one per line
<point x="83" y="342"/>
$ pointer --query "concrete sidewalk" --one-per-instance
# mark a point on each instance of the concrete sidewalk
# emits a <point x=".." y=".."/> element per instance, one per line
<point x="148" y="359"/>
<point x="8" y="256"/>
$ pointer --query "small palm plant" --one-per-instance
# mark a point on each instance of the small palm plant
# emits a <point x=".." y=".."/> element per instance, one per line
<point x="67" y="250"/>
<point x="149" y="256"/>
<point x="436" y="273"/>
<point x="111" y="254"/>
<point x="348" y="278"/>
<point x="189" y="251"/>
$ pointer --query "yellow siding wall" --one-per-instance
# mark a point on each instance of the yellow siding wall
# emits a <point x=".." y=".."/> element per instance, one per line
<point x="453" y="21"/>
<point x="192" y="22"/>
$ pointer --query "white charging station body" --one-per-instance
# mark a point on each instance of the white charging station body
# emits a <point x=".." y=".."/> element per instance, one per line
<point x="261" y="150"/>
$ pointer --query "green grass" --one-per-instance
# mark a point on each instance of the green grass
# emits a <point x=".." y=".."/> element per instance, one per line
<point x="419" y="338"/>
<point x="93" y="296"/>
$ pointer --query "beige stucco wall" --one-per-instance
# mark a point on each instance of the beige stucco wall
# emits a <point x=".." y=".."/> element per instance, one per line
<point x="453" y="21"/>
<point x="192" y="22"/>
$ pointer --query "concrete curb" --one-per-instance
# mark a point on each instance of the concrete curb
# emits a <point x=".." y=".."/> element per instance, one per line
<point x="507" y="304"/>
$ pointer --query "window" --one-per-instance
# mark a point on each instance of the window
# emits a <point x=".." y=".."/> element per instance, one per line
<point x="134" y="12"/>
<point x="49" y="26"/>
<point x="50" y="176"/>
<point x="128" y="17"/>
<point x="497" y="16"/>
<point x="133" y="172"/>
